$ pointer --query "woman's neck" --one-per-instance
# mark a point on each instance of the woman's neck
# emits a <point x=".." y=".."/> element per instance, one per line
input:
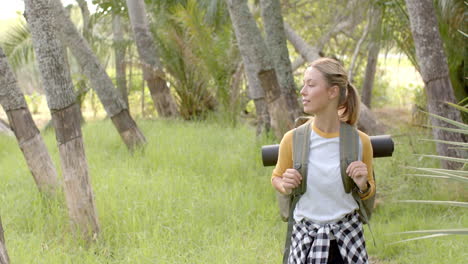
<point x="328" y="123"/>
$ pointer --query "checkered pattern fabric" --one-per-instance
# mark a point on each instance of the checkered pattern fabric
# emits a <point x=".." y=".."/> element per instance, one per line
<point x="310" y="242"/>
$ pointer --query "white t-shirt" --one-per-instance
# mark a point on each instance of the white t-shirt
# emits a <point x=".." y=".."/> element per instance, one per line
<point x="325" y="199"/>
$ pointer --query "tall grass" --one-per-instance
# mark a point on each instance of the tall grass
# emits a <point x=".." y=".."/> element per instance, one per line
<point x="199" y="194"/>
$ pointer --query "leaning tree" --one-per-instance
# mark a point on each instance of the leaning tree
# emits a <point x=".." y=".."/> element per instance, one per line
<point x="97" y="75"/>
<point x="152" y="67"/>
<point x="29" y="139"/>
<point x="257" y="59"/>
<point x="61" y="100"/>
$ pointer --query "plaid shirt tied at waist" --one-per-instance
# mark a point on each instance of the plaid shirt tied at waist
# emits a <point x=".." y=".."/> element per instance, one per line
<point x="310" y="241"/>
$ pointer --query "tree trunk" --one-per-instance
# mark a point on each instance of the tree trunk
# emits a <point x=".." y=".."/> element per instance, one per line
<point x="119" y="49"/>
<point x="372" y="57"/>
<point x="96" y="73"/>
<point x="29" y="139"/>
<point x="4" y="259"/>
<point x="276" y="42"/>
<point x="255" y="56"/>
<point x="368" y="123"/>
<point x="152" y="68"/>
<point x="85" y="14"/>
<point x="263" y="117"/>
<point x="435" y="74"/>
<point x="57" y="82"/>
<point x="82" y="86"/>
<point x="256" y="93"/>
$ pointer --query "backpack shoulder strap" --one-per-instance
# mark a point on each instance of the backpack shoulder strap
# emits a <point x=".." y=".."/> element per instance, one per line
<point x="349" y="152"/>
<point x="301" y="142"/>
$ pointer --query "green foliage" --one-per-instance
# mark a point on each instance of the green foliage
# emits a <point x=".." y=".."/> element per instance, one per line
<point x="34" y="101"/>
<point x="200" y="58"/>
<point x="396" y="30"/>
<point x="17" y="45"/>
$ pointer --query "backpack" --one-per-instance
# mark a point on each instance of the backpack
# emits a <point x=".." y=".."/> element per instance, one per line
<point x="349" y="151"/>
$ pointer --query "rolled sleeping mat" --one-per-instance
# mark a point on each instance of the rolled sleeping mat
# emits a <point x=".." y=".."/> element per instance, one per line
<point x="382" y="146"/>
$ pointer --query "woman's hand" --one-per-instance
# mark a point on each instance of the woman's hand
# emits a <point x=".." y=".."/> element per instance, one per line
<point x="357" y="170"/>
<point x="290" y="180"/>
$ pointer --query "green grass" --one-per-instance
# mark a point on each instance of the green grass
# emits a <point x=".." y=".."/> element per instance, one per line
<point x="199" y="194"/>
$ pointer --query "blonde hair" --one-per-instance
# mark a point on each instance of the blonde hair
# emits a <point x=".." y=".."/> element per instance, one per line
<point x="335" y="74"/>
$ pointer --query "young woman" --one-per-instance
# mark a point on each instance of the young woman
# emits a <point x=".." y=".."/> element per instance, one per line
<point x="327" y="228"/>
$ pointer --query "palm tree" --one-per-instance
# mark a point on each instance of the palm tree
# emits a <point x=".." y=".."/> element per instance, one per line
<point x="65" y="115"/>
<point x="29" y="139"/>
<point x="119" y="53"/>
<point x="100" y="80"/>
<point x="435" y="73"/>
<point x="152" y="68"/>
<point x="256" y="58"/>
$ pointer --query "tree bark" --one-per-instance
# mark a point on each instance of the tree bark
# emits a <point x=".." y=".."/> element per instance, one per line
<point x="120" y="66"/>
<point x="276" y="42"/>
<point x="57" y="82"/>
<point x="368" y="123"/>
<point x="96" y="73"/>
<point x="82" y="86"/>
<point x="85" y="14"/>
<point x="255" y="56"/>
<point x="4" y="259"/>
<point x="152" y="68"/>
<point x="256" y="93"/>
<point x="27" y="135"/>
<point x="435" y="74"/>
<point x="372" y="57"/>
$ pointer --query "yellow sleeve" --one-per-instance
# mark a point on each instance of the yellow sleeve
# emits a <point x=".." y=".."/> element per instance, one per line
<point x="284" y="155"/>
<point x="367" y="156"/>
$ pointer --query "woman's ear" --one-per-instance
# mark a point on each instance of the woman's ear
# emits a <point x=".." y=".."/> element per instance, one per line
<point x="333" y="92"/>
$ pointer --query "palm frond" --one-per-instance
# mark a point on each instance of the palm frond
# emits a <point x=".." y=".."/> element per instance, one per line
<point x="418" y="238"/>
<point x="462" y="144"/>
<point x="456" y="231"/>
<point x="447" y="177"/>
<point x="447" y="120"/>
<point x="460" y="106"/>
<point x="17" y="44"/>
<point x="449" y="203"/>
<point x="461" y="160"/>
<point x="461" y="131"/>
<point x="439" y="171"/>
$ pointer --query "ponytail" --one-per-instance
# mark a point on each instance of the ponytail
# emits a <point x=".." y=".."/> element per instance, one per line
<point x="349" y="100"/>
<point x="349" y="110"/>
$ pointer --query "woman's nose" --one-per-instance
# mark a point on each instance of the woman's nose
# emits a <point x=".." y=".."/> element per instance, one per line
<point x="302" y="92"/>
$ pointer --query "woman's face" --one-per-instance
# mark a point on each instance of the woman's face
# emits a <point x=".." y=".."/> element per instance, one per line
<point x="315" y="91"/>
